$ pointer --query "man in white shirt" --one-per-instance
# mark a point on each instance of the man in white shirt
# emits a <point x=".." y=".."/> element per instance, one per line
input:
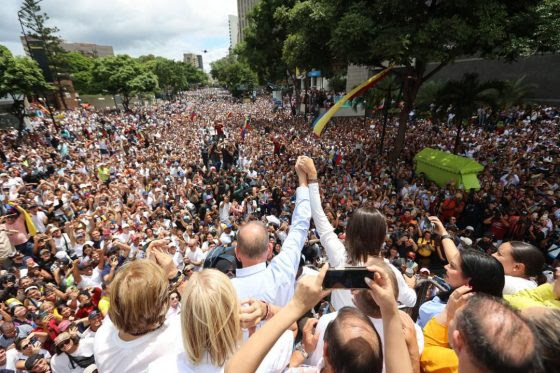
<point x="85" y="275"/>
<point x="273" y="283"/>
<point x="227" y="235"/>
<point x="224" y="208"/>
<point x="194" y="256"/>
<point x="39" y="218"/>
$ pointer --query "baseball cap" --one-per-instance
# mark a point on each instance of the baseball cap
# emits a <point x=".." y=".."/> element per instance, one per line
<point x="61" y="338"/>
<point x="469" y="228"/>
<point x="424" y="270"/>
<point x="32" y="360"/>
<point x="93" y="314"/>
<point x="63" y="325"/>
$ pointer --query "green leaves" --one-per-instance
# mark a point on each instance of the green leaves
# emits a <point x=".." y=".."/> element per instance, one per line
<point x="20" y="75"/>
<point x="123" y="75"/>
<point x="234" y="74"/>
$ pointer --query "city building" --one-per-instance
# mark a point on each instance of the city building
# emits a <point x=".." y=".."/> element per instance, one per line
<point x="244" y="7"/>
<point x="193" y="59"/>
<point x="89" y="49"/>
<point x="233" y="22"/>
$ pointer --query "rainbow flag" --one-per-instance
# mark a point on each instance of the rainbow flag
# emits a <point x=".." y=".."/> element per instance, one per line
<point x="320" y="123"/>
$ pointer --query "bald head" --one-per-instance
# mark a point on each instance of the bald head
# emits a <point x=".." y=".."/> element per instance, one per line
<point x="352" y="343"/>
<point x="494" y="337"/>
<point x="252" y="240"/>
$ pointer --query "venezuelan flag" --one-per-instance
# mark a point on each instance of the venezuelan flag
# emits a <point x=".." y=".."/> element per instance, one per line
<point x="246" y="127"/>
<point x="320" y="123"/>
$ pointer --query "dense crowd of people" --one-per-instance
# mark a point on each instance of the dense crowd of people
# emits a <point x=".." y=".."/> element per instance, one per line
<point x="195" y="234"/>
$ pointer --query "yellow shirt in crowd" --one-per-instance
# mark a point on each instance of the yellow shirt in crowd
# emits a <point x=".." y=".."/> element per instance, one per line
<point x="542" y="296"/>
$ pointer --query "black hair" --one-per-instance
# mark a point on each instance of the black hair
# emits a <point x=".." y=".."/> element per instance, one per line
<point x="355" y="355"/>
<point x="486" y="274"/>
<point x="529" y="255"/>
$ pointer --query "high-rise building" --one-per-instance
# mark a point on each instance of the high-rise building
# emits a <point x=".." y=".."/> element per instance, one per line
<point x="233" y="22"/>
<point x="193" y="59"/>
<point x="90" y="50"/>
<point x="244" y="7"/>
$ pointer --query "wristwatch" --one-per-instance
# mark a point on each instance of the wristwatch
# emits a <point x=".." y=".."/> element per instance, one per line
<point x="299" y="347"/>
<point x="447" y="236"/>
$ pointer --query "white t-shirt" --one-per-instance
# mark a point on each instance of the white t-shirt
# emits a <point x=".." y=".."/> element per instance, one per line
<point x="179" y="363"/>
<point x="224" y="211"/>
<point x="226" y="238"/>
<point x="515" y="284"/>
<point x="113" y="355"/>
<point x="316" y="356"/>
<point x="38" y="221"/>
<point x="94" y="280"/>
<point x="60" y="363"/>
<point x="13" y="356"/>
<point x="195" y="256"/>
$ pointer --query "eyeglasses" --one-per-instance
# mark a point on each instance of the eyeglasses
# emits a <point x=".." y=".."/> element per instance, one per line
<point x="23" y="347"/>
<point x="173" y="298"/>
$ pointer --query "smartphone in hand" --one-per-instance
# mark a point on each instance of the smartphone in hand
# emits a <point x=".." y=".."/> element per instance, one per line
<point x="347" y="278"/>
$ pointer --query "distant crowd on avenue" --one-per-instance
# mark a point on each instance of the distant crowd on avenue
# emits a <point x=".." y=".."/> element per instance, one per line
<point x="194" y="235"/>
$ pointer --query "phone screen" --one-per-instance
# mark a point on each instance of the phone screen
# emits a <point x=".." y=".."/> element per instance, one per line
<point x="347" y="278"/>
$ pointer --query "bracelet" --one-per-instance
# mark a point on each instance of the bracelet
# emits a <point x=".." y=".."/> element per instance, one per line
<point x="448" y="237"/>
<point x="267" y="310"/>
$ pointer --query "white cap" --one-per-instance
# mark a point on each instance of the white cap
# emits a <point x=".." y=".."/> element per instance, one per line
<point x="60" y="255"/>
<point x="466" y="241"/>
<point x="273" y="220"/>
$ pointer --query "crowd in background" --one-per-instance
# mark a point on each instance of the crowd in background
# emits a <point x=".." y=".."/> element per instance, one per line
<point x="109" y="220"/>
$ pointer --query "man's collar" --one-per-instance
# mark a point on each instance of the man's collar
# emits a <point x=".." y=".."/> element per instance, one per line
<point x="248" y="271"/>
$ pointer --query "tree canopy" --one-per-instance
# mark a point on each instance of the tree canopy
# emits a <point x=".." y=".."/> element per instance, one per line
<point x="123" y="75"/>
<point x="20" y="78"/>
<point x="411" y="35"/>
<point x="234" y="74"/>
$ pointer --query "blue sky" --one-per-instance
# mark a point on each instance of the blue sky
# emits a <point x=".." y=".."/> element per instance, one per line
<point x="166" y="28"/>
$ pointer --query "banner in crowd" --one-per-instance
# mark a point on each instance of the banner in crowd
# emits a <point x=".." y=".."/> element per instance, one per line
<point x="321" y="122"/>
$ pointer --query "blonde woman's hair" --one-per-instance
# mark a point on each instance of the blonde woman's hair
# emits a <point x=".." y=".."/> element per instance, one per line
<point x="139" y="297"/>
<point x="210" y="317"/>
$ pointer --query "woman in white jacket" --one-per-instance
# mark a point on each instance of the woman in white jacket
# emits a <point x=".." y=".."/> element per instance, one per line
<point x="365" y="235"/>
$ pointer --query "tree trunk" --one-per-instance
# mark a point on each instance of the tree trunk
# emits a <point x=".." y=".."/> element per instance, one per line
<point x="125" y="102"/>
<point x="458" y="137"/>
<point x="21" y="124"/>
<point x="296" y="90"/>
<point x="411" y="84"/>
<point x="61" y="93"/>
<point x="386" y="106"/>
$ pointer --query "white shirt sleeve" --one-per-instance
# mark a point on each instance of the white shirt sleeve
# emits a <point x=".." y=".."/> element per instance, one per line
<point x="407" y="295"/>
<point x="287" y="262"/>
<point x="336" y="252"/>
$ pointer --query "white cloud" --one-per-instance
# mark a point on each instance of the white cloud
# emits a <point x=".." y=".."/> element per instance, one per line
<point x="166" y="28"/>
